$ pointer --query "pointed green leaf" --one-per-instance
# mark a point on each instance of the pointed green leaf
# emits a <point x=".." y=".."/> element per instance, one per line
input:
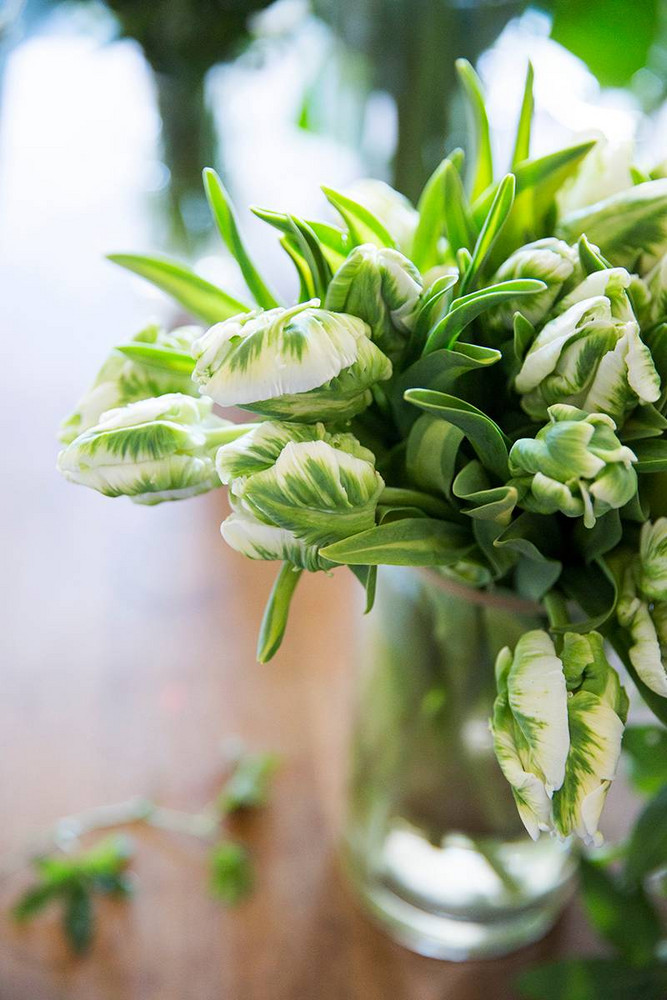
<point x="459" y="226"/>
<point x="334" y="242"/>
<point x="645" y="750"/>
<point x="274" y="622"/>
<point x="442" y="207"/>
<point x="306" y="287"/>
<point x="651" y="455"/>
<point x="198" y="296"/>
<point x="486" y="438"/>
<point x="409" y="542"/>
<point x="496" y="218"/>
<point x="522" y="141"/>
<point x="225" y="219"/>
<point x="593" y="588"/>
<point x="591" y="260"/>
<point x="364" y="227"/>
<point x="469" y="307"/>
<point x="163" y="358"/>
<point x="367" y="577"/>
<point x="311" y="252"/>
<point x="481" y="176"/>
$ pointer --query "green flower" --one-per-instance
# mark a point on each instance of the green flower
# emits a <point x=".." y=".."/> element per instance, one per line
<point x="557" y="728"/>
<point x="301" y="364"/>
<point x="549" y="260"/>
<point x="152" y="450"/>
<point x="597" y="708"/>
<point x="575" y="464"/>
<point x="295" y="489"/>
<point x="642" y="606"/>
<point x="591" y="355"/>
<point x="394" y="211"/>
<point x="383" y="288"/>
<point x="630" y="227"/>
<point x="121" y="380"/>
<point x="529" y="725"/>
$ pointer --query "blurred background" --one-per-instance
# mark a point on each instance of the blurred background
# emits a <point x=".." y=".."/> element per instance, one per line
<point x="127" y="634"/>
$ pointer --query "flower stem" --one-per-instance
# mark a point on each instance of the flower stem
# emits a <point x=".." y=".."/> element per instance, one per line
<point x="392" y="496"/>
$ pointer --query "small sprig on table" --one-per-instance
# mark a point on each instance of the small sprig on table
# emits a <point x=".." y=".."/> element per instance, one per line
<point x="72" y="878"/>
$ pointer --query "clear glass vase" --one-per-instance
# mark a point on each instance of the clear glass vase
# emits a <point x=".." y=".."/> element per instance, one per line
<point x="433" y="841"/>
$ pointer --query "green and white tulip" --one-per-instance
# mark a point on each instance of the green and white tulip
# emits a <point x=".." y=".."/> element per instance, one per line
<point x="557" y="728"/>
<point x="575" y="464"/>
<point x="257" y="540"/>
<point x="319" y="492"/>
<point x="597" y="707"/>
<point x="630" y="227"/>
<point x="152" y="450"/>
<point x="303" y="363"/>
<point x="383" y="288"/>
<point x="589" y="358"/>
<point x="549" y="260"/>
<point x="530" y="726"/>
<point x="642" y="606"/>
<point x="122" y="380"/>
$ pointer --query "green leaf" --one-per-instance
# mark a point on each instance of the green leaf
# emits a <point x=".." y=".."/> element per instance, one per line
<point x="485" y="436"/>
<point x="524" y="335"/>
<point x="647" y="848"/>
<point x="534" y="538"/>
<point x="594" y="590"/>
<point x="604" y="536"/>
<point x="538" y="180"/>
<point x="367" y="577"/>
<point x="645" y="749"/>
<point x="408" y="542"/>
<point x="496" y="218"/>
<point x="434" y="301"/>
<point x="651" y="455"/>
<point x="431" y="453"/>
<point x="459" y="226"/>
<point x="225" y="219"/>
<point x="622" y="916"/>
<point x="469" y="307"/>
<point x="306" y="287"/>
<point x="232" y="876"/>
<point x="274" y="622"/>
<point x="522" y="141"/>
<point x="334" y="241"/>
<point x="162" y="358"/>
<point x="593" y="979"/>
<point x="311" y="252"/>
<point x="644" y="422"/>
<point x="78" y="923"/>
<point x="34" y="900"/>
<point x="590" y="258"/>
<point x="481" y="174"/>
<point x="364" y="227"/>
<point x="250" y="783"/>
<point x="430" y="226"/>
<point x="198" y="296"/>
<point x="489" y="504"/>
<point x="611" y="38"/>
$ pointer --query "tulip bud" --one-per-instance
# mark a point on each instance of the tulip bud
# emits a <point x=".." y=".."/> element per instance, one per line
<point x="575" y="464"/>
<point x="383" y="288"/>
<point x="319" y="492"/>
<point x="392" y="209"/>
<point x="122" y="380"/>
<point x="549" y="260"/>
<point x="597" y="708"/>
<point x="588" y="357"/>
<point x="256" y="540"/>
<point x="529" y="726"/>
<point x="301" y="364"/>
<point x="642" y="606"/>
<point x="630" y="227"/>
<point x="152" y="450"/>
<point x="557" y="728"/>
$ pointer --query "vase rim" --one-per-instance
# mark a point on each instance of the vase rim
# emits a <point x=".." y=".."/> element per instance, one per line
<point x="503" y="599"/>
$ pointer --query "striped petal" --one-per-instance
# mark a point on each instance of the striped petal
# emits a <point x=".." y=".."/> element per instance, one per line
<point x="320" y="493"/>
<point x="257" y="540"/>
<point x="653" y="560"/>
<point x="549" y="260"/>
<point x="302" y="363"/>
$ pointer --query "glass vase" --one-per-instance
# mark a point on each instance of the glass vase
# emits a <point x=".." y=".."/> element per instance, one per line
<point x="433" y="842"/>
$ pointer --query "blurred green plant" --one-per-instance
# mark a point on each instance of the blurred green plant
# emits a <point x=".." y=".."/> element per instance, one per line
<point x="74" y="880"/>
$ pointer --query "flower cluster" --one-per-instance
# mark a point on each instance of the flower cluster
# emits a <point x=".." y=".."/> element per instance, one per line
<point x="477" y="384"/>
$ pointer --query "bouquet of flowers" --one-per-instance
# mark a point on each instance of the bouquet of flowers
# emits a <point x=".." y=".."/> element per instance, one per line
<point x="476" y="384"/>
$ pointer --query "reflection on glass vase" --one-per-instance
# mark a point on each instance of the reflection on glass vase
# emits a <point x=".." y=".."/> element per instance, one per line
<point x="433" y="842"/>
